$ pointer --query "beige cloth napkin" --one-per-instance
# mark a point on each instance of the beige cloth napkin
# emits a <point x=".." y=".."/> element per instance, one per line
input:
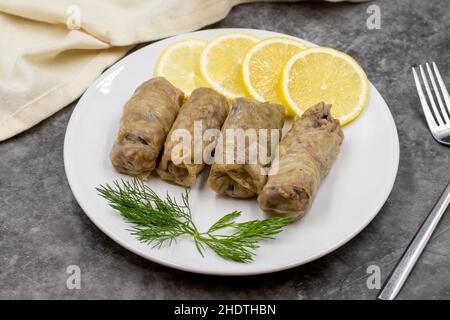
<point x="51" y="51"/>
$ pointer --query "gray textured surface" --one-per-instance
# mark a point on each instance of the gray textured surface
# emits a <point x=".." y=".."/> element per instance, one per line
<point x="43" y="230"/>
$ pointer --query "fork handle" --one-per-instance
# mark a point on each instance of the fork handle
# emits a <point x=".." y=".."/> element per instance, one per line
<point x="403" y="268"/>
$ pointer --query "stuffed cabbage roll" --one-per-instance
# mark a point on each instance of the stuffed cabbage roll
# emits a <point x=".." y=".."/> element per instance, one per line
<point x="236" y="172"/>
<point x="205" y="109"/>
<point x="306" y="154"/>
<point x="146" y="120"/>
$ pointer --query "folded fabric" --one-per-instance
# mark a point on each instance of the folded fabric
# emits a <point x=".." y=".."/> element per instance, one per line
<point x="51" y="51"/>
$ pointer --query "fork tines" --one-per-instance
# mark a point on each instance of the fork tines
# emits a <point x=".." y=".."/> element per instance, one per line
<point x="436" y="117"/>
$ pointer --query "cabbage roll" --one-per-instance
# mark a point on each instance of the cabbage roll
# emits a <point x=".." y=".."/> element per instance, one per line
<point x="306" y="154"/>
<point x="243" y="176"/>
<point x="146" y="120"/>
<point x="205" y="109"/>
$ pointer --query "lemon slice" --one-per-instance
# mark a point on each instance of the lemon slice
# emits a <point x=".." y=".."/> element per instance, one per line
<point x="221" y="60"/>
<point x="179" y="63"/>
<point x="263" y="65"/>
<point x="324" y="74"/>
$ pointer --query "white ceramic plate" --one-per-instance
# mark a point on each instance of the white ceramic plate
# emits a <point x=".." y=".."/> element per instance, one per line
<point x="349" y="198"/>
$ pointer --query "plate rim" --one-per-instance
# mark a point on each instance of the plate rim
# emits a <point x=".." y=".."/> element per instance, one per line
<point x="129" y="246"/>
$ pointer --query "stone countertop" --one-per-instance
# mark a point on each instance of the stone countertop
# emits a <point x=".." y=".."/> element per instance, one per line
<point x="43" y="230"/>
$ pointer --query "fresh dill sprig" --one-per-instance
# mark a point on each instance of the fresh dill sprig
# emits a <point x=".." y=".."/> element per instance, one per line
<point x="158" y="221"/>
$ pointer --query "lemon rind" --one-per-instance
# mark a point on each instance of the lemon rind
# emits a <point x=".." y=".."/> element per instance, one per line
<point x="336" y="53"/>
<point x="163" y="56"/>
<point x="248" y="88"/>
<point x="203" y="68"/>
<point x="164" y="53"/>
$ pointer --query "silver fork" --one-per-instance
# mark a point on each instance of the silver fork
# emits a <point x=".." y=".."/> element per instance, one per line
<point x="439" y="124"/>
